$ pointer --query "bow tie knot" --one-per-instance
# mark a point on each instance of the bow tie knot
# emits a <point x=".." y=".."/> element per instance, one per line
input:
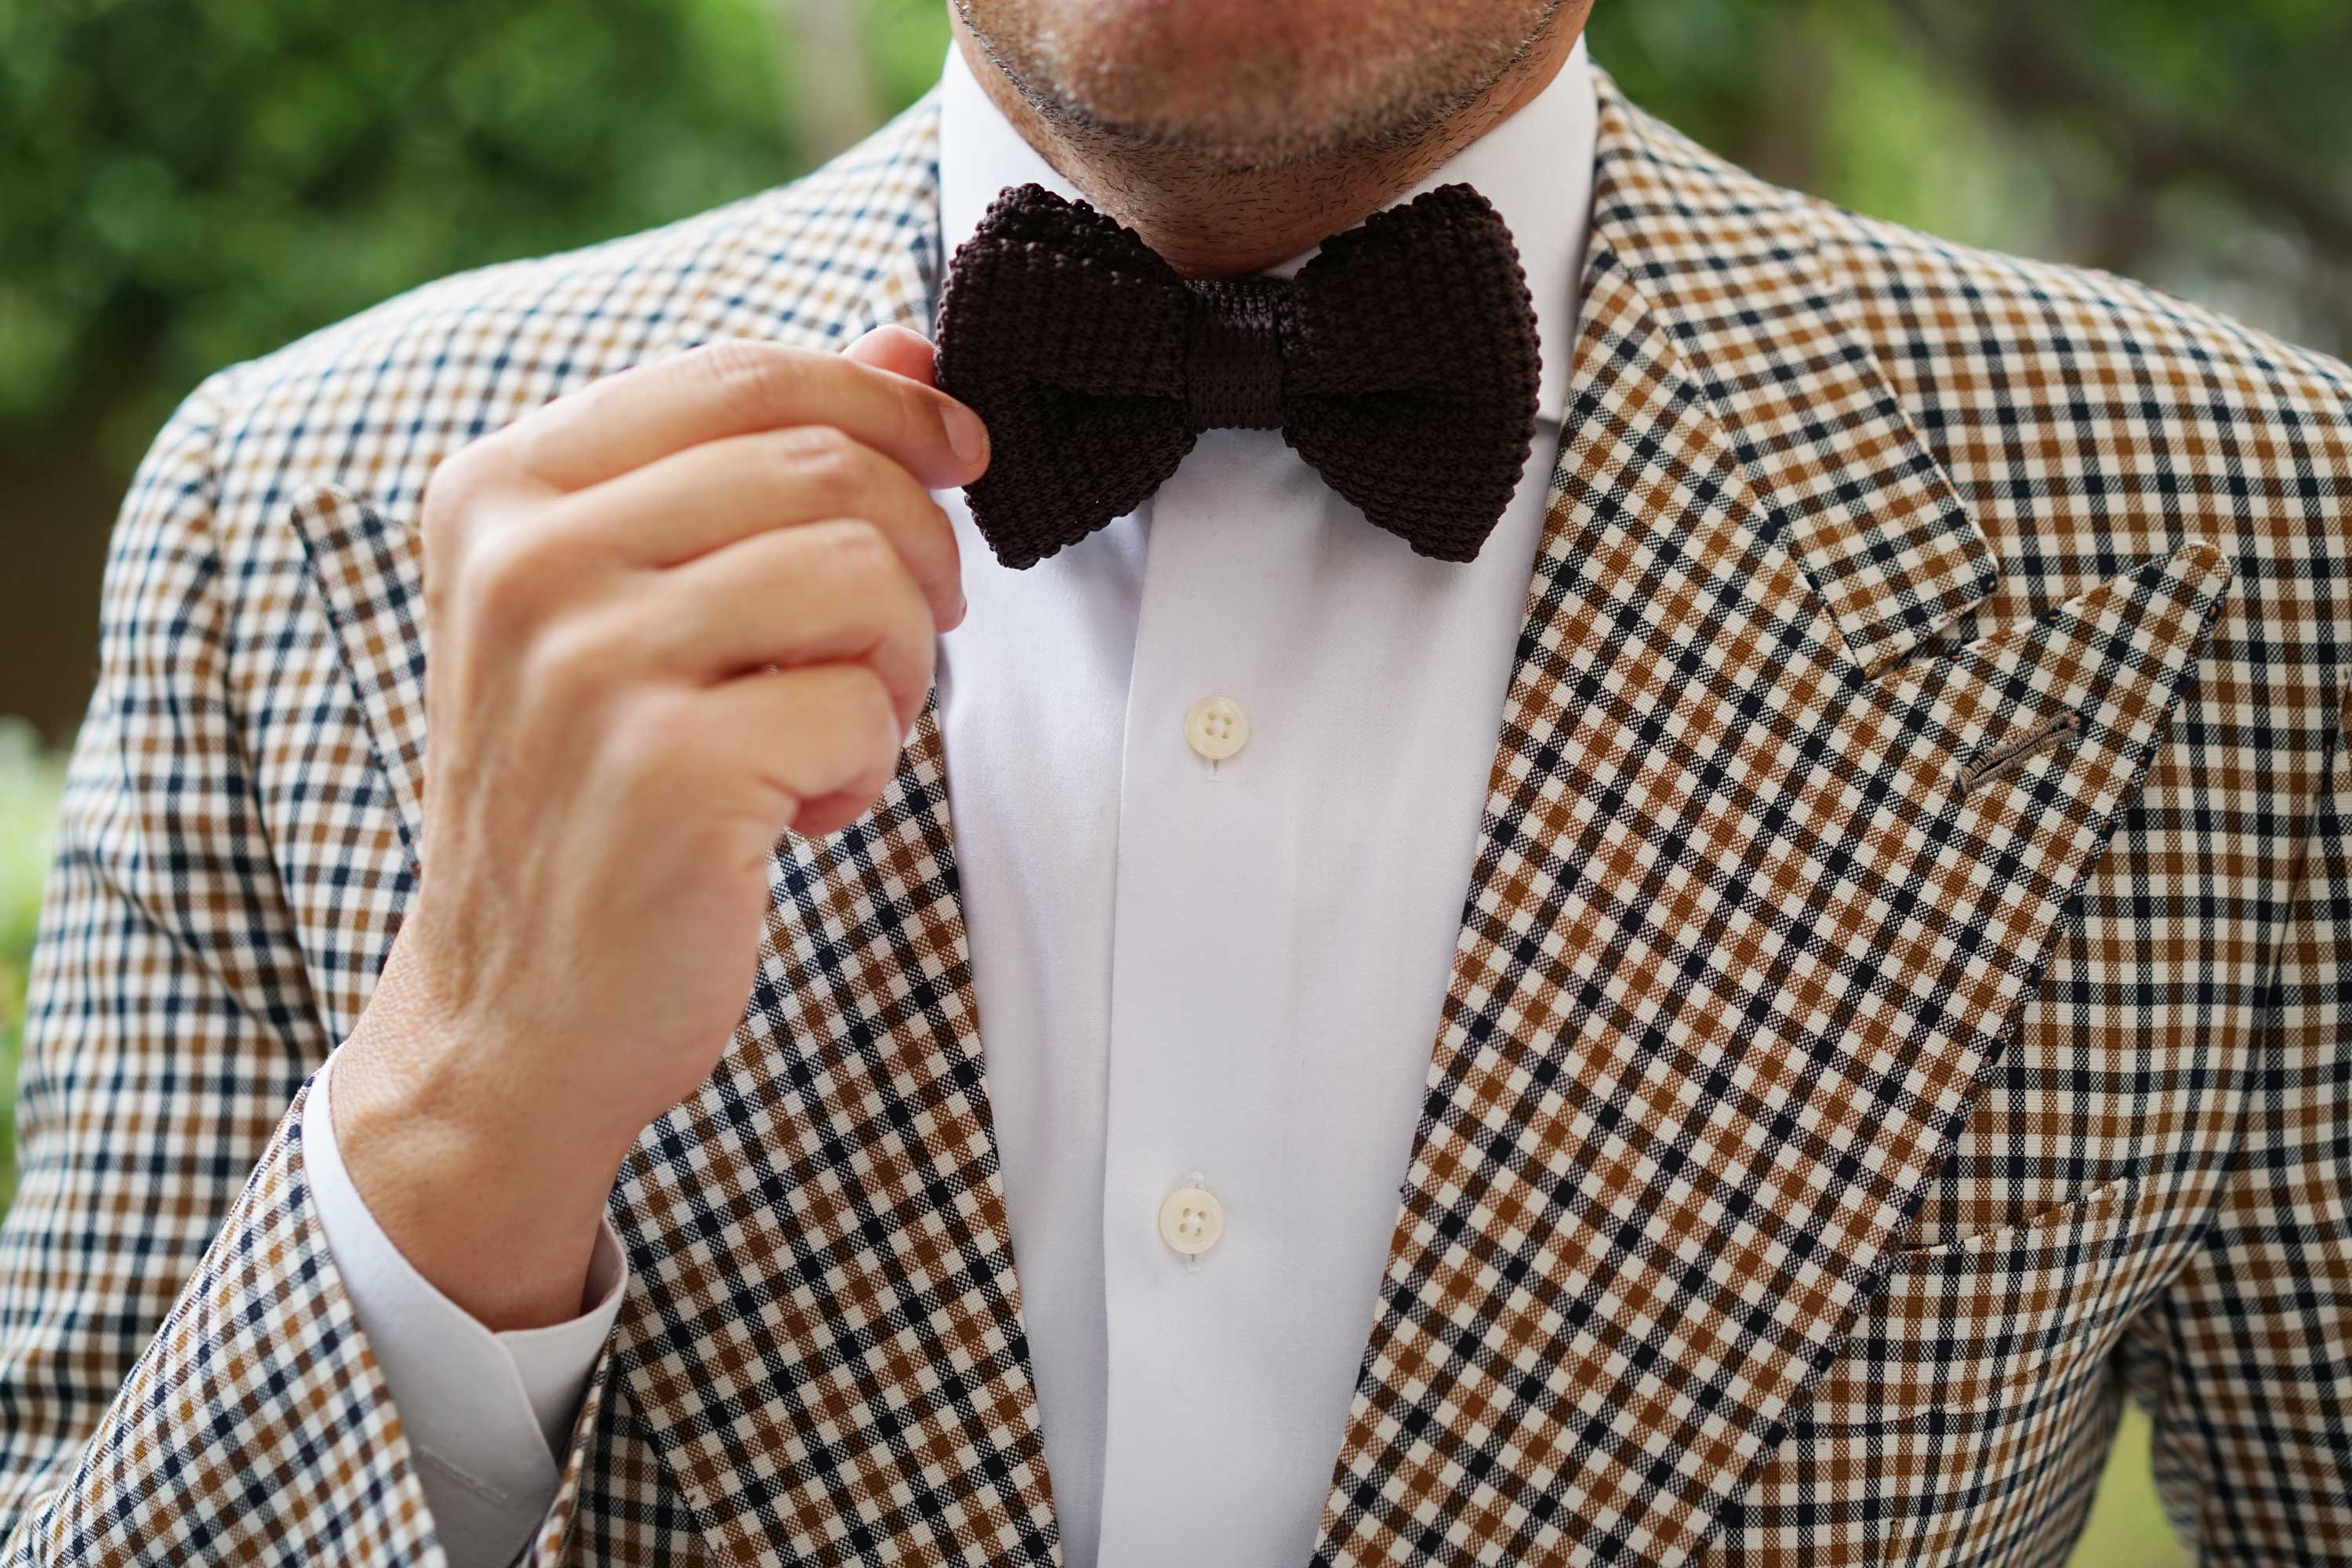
<point x="1233" y="363"/>
<point x="1400" y="364"/>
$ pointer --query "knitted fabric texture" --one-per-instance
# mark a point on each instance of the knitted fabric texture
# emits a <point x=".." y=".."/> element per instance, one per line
<point x="1401" y="363"/>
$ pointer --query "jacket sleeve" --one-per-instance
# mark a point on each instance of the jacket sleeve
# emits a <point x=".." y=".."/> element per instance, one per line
<point x="488" y="1416"/>
<point x="181" y="1376"/>
<point x="2247" y="1367"/>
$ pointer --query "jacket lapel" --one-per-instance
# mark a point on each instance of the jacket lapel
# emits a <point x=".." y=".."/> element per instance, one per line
<point x="1750" y="918"/>
<point x="824" y="1332"/>
<point x="822" y="1335"/>
<point x="369" y="573"/>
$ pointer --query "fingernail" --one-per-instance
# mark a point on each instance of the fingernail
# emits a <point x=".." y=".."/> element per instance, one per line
<point x="966" y="434"/>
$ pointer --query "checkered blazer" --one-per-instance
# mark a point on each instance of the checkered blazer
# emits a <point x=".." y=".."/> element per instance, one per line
<point x="1900" y="1007"/>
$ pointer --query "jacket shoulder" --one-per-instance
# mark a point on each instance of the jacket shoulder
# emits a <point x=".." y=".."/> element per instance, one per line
<point x="1938" y="304"/>
<point x="2088" y="421"/>
<point x="2085" y="327"/>
<point x="372" y="402"/>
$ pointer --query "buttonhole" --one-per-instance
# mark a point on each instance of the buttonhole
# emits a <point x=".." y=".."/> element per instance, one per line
<point x="2002" y="762"/>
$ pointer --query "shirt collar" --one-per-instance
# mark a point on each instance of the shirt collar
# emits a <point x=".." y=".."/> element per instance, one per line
<point x="1534" y="168"/>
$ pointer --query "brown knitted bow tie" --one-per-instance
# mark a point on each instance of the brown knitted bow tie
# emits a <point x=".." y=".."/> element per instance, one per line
<point x="1401" y="363"/>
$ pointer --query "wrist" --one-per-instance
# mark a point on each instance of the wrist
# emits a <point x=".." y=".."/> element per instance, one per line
<point x="489" y="1187"/>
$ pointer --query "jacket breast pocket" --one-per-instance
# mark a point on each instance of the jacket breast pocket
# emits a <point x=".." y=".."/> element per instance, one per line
<point x="1986" y="1325"/>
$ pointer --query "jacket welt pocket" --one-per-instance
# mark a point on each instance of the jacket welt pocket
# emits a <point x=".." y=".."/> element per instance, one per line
<point x="1981" y="1323"/>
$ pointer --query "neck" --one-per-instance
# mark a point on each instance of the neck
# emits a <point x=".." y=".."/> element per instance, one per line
<point x="1211" y="219"/>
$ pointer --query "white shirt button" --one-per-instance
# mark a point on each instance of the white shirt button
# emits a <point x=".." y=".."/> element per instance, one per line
<point x="1216" y="728"/>
<point x="1192" y="1219"/>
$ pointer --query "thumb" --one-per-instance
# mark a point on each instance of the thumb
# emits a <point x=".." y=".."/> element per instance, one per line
<point x="896" y="350"/>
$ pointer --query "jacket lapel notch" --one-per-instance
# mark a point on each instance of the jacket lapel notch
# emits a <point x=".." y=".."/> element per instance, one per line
<point x="1730" y="265"/>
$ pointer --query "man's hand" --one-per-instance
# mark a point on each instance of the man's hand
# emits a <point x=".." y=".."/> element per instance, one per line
<point x="671" y="615"/>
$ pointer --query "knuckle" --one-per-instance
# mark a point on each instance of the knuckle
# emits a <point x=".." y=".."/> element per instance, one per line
<point x="861" y="553"/>
<point x="566" y="661"/>
<point x="456" y="487"/>
<point x="506" y="577"/>
<point x="763" y="372"/>
<point x="826" y="462"/>
<point x="537" y="443"/>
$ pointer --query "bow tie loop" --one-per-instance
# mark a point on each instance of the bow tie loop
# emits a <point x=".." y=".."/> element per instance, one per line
<point x="1400" y="364"/>
<point x="1233" y="353"/>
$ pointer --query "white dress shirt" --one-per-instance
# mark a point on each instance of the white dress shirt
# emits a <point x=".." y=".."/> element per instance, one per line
<point x="1196" y="966"/>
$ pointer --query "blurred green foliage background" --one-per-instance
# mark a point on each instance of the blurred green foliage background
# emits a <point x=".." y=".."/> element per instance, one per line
<point x="188" y="182"/>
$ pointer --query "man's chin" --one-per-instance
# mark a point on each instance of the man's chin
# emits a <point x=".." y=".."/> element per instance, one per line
<point x="1246" y="84"/>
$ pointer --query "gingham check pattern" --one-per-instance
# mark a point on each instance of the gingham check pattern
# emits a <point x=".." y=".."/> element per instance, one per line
<point x="1898" y="1005"/>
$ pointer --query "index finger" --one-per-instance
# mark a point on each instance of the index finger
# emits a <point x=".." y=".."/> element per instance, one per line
<point x="739" y="386"/>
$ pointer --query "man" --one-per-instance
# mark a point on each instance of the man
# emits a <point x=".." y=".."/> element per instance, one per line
<point x="1862" y="814"/>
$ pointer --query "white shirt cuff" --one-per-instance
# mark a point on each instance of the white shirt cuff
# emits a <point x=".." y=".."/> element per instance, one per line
<point x="487" y="1415"/>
